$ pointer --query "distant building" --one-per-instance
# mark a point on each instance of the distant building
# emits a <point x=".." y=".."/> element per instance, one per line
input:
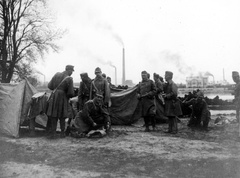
<point x="197" y="82"/>
<point x="129" y="83"/>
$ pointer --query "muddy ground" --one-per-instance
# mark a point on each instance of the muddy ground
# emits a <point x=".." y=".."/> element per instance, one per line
<point x="127" y="151"/>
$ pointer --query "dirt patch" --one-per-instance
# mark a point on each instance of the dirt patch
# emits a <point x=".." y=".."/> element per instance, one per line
<point x="127" y="151"/>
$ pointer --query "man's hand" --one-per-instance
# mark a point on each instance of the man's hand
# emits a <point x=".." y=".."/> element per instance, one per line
<point x="139" y="96"/>
<point x="94" y="124"/>
<point x="164" y="95"/>
<point x="108" y="127"/>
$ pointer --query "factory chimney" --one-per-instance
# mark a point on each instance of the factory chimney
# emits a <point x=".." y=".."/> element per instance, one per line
<point x="123" y="68"/>
<point x="223" y="75"/>
<point x="115" y="72"/>
<point x="115" y="75"/>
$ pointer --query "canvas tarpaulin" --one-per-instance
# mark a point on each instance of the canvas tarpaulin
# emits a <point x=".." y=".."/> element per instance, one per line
<point x="125" y="109"/>
<point x="14" y="104"/>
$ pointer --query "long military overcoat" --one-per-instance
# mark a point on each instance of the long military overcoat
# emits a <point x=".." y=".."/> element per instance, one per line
<point x="172" y="104"/>
<point x="199" y="109"/>
<point x="84" y="92"/>
<point x="100" y="85"/>
<point x="147" y="90"/>
<point x="58" y="104"/>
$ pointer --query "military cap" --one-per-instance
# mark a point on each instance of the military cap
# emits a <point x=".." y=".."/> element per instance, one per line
<point x="200" y="94"/>
<point x="235" y="73"/>
<point x="144" y="72"/>
<point x="85" y="75"/>
<point x="98" y="70"/>
<point x="69" y="67"/>
<point x="104" y="75"/>
<point x="168" y="73"/>
<point x="156" y="75"/>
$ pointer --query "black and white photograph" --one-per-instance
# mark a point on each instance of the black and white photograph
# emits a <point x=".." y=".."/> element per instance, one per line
<point x="119" y="88"/>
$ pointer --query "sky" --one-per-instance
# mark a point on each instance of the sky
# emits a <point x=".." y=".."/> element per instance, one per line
<point x="187" y="37"/>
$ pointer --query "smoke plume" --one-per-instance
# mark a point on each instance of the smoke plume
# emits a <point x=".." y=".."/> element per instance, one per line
<point x="176" y="60"/>
<point x="108" y="28"/>
<point x="208" y="74"/>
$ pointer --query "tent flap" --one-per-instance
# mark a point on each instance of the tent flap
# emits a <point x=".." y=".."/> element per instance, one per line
<point x="14" y="105"/>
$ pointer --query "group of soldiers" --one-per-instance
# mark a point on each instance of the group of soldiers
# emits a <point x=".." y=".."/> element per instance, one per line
<point x="93" y="102"/>
<point x="166" y="93"/>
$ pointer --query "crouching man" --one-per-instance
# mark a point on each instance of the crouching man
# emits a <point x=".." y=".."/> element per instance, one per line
<point x="200" y="112"/>
<point x="93" y="117"/>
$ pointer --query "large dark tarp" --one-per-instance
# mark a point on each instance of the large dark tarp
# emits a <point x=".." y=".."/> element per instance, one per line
<point x="125" y="109"/>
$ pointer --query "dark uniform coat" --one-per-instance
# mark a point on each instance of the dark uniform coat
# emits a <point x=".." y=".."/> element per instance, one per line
<point x="58" y="104"/>
<point x="84" y="92"/>
<point x="159" y="87"/>
<point x="237" y="94"/>
<point x="147" y="90"/>
<point x="199" y="109"/>
<point x="100" y="85"/>
<point x="172" y="104"/>
<point x="94" y="113"/>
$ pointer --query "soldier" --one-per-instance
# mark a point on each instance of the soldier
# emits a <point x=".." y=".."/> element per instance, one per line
<point x="159" y="87"/>
<point x="172" y="105"/>
<point x="94" y="115"/>
<point x="62" y="86"/>
<point x="200" y="111"/>
<point x="100" y="85"/>
<point x="145" y="93"/>
<point x="109" y="80"/>
<point x="84" y="90"/>
<point x="236" y="79"/>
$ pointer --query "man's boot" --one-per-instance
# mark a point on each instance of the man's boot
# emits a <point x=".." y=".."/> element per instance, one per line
<point x="147" y="129"/>
<point x="62" y="134"/>
<point x="32" y="133"/>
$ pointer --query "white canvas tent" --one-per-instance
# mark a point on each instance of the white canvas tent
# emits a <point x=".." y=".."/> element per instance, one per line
<point x="14" y="104"/>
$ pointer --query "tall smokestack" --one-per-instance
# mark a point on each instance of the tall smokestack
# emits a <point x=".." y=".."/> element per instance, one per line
<point x="115" y="72"/>
<point x="123" y="68"/>
<point x="223" y="75"/>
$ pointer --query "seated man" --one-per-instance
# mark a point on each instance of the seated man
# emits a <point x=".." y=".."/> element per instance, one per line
<point x="92" y="117"/>
<point x="200" y="111"/>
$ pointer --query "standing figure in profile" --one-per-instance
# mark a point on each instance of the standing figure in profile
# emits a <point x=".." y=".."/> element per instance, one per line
<point x="84" y="90"/>
<point x="236" y="79"/>
<point x="58" y="103"/>
<point x="172" y="105"/>
<point x="146" y="92"/>
<point x="159" y="87"/>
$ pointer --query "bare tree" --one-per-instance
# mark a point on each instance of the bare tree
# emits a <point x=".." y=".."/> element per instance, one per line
<point x="26" y="34"/>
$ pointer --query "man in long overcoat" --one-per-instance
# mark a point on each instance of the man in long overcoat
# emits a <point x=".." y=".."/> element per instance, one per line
<point x="172" y="105"/>
<point x="236" y="79"/>
<point x="146" y="92"/>
<point x="159" y="87"/>
<point x="100" y="86"/>
<point x="62" y="86"/>
<point x="84" y="90"/>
